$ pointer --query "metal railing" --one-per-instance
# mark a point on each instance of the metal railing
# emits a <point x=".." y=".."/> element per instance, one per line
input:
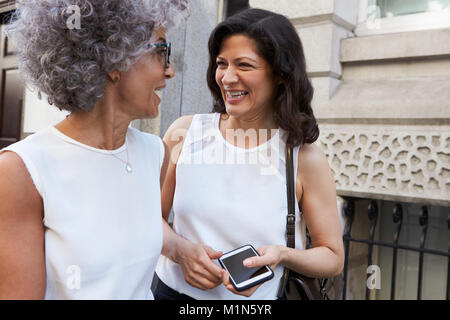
<point x="397" y="218"/>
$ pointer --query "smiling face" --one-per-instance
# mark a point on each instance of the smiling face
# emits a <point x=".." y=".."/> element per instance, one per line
<point x="140" y="88"/>
<point x="244" y="78"/>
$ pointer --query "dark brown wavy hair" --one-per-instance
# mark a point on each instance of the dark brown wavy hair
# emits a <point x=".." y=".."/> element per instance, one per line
<point x="279" y="44"/>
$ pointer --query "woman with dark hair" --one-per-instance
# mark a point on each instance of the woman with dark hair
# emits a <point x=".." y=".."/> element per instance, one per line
<point x="80" y="210"/>
<point x="226" y="179"/>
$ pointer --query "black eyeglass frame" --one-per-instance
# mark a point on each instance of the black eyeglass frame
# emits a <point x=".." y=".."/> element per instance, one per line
<point x="167" y="46"/>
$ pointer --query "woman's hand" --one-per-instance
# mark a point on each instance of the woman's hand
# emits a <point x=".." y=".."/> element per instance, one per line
<point x="246" y="293"/>
<point x="269" y="255"/>
<point x="199" y="269"/>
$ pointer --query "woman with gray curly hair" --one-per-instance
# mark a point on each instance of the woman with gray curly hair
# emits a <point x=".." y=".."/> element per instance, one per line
<point x="80" y="212"/>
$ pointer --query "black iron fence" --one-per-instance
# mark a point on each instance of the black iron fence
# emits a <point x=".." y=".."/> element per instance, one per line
<point x="397" y="219"/>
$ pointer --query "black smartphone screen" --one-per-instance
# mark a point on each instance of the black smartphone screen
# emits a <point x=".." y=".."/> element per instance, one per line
<point x="238" y="271"/>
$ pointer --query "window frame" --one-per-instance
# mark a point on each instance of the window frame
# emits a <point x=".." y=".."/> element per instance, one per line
<point x="403" y="23"/>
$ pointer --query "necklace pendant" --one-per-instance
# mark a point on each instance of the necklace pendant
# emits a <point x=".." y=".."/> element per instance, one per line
<point x="128" y="168"/>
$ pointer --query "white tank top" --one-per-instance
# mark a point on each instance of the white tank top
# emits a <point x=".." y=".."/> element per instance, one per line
<point x="103" y="225"/>
<point x="227" y="197"/>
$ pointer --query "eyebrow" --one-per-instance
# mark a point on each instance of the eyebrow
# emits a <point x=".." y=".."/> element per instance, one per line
<point x="238" y="59"/>
<point x="161" y="39"/>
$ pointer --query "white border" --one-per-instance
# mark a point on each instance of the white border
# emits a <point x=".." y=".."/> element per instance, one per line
<point x="249" y="281"/>
<point x="410" y="22"/>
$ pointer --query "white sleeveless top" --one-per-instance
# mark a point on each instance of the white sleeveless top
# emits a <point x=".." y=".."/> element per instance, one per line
<point x="103" y="225"/>
<point x="227" y="197"/>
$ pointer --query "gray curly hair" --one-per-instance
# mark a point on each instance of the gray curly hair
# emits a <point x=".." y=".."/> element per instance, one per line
<point x="70" y="65"/>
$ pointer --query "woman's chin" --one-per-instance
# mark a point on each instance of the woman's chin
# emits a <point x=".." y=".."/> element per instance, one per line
<point x="234" y="110"/>
<point x="148" y="112"/>
<point x="152" y="113"/>
<point x="153" y="108"/>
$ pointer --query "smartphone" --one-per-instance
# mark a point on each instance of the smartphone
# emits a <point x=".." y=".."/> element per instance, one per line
<point x="242" y="277"/>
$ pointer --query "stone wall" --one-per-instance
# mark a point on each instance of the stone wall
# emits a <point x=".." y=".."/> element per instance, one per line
<point x="389" y="162"/>
<point x="187" y="92"/>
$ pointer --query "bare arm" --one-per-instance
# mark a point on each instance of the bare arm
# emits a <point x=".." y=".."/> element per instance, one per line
<point x="194" y="259"/>
<point x="173" y="142"/>
<point x="164" y="166"/>
<point x="22" y="257"/>
<point x="319" y="207"/>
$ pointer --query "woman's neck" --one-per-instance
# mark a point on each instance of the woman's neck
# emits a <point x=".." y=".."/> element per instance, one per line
<point x="256" y="122"/>
<point x="250" y="131"/>
<point x="101" y="128"/>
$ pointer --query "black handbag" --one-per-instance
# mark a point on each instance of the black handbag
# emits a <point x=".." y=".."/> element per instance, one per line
<point x="295" y="286"/>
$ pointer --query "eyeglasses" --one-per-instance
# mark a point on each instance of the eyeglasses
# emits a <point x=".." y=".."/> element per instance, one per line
<point x="165" y="48"/>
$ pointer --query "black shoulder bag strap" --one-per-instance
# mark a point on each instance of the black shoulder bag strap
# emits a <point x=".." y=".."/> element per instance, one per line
<point x="314" y="289"/>
<point x="290" y="186"/>
<point x="290" y="219"/>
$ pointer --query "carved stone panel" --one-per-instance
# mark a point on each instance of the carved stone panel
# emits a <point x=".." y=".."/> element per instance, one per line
<point x="408" y="163"/>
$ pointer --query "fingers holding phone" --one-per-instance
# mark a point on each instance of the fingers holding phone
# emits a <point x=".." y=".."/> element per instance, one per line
<point x="268" y="255"/>
<point x="199" y="269"/>
<point x="246" y="293"/>
<point x="244" y="280"/>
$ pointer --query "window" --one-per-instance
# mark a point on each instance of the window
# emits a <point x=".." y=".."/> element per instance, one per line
<point x="390" y="8"/>
<point x="389" y="16"/>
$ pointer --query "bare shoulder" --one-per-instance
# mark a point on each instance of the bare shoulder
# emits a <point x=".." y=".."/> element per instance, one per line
<point x="178" y="130"/>
<point x="313" y="169"/>
<point x="311" y="157"/>
<point x="16" y="184"/>
<point x="11" y="166"/>
<point x="182" y="122"/>
<point x="174" y="137"/>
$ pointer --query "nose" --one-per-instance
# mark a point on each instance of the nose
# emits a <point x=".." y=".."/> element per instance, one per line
<point x="169" y="72"/>
<point x="229" y="76"/>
